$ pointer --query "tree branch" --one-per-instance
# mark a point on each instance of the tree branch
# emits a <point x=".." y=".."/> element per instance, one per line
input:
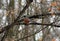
<point x="15" y="21"/>
<point x="39" y="16"/>
<point x="51" y="24"/>
<point x="32" y="34"/>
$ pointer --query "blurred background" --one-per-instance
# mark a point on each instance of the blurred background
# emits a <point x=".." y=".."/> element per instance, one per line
<point x="10" y="9"/>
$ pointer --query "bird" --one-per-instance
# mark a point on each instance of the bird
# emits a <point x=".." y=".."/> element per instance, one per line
<point x="26" y="20"/>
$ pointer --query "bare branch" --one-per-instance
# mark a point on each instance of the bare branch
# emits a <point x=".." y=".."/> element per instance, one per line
<point x="15" y="21"/>
<point x="32" y="34"/>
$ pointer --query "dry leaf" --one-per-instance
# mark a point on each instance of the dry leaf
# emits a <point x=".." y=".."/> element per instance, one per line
<point x="49" y="9"/>
<point x="58" y="8"/>
<point x="54" y="4"/>
<point x="53" y="39"/>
